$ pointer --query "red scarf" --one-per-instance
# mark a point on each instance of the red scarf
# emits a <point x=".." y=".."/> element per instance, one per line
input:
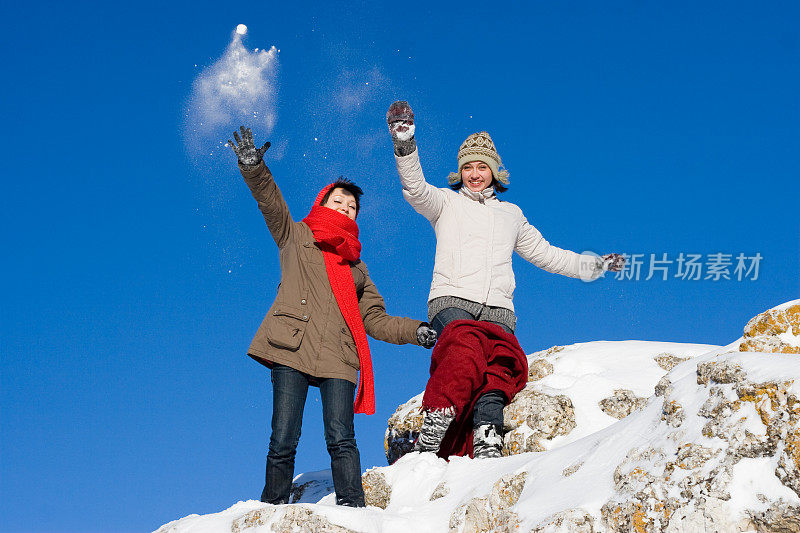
<point x="338" y="239"/>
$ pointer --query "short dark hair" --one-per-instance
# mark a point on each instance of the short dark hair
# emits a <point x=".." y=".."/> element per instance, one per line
<point x="499" y="187"/>
<point x="349" y="186"/>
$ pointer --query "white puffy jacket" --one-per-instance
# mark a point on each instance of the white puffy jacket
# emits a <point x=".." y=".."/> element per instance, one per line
<point x="475" y="236"/>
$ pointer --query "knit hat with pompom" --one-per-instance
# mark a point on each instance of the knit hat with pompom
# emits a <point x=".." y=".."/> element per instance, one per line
<point x="479" y="147"/>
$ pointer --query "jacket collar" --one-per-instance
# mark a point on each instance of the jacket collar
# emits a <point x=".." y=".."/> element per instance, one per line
<point x="482" y="196"/>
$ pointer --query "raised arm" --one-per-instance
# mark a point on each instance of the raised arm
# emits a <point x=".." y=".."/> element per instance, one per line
<point x="426" y="199"/>
<point x="259" y="179"/>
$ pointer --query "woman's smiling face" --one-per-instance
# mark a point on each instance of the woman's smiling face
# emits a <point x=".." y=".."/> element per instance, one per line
<point x="476" y="175"/>
<point x="342" y="201"/>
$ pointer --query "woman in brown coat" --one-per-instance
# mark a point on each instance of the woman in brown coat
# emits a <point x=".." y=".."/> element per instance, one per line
<point x="315" y="331"/>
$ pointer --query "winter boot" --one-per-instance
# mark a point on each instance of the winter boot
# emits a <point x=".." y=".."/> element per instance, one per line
<point x="487" y="443"/>
<point x="434" y="426"/>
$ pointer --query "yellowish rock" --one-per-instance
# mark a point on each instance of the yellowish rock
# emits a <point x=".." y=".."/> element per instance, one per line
<point x="774" y="322"/>
<point x="763" y="332"/>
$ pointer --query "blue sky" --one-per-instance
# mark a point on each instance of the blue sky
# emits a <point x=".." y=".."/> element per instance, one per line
<point x="138" y="267"/>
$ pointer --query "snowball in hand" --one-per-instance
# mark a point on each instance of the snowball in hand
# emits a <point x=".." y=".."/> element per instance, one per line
<point x="241" y="29"/>
<point x="407" y="134"/>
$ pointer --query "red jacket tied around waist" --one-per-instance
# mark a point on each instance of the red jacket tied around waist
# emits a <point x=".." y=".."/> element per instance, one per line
<point x="470" y="359"/>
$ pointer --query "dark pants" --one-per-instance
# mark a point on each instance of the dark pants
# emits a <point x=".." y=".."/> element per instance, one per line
<point x="489" y="407"/>
<point x="289" y="390"/>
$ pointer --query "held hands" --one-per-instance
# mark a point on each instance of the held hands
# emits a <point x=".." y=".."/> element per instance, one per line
<point x="245" y="148"/>
<point x="426" y="335"/>
<point x="400" y="119"/>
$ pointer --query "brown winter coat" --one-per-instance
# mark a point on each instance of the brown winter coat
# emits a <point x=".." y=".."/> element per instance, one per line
<point x="304" y="328"/>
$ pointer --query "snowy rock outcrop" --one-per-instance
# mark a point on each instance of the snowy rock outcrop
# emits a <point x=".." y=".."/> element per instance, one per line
<point x="253" y="516"/>
<point x="779" y="517"/>
<point x="776" y="330"/>
<point x="296" y="518"/>
<point x="632" y="436"/>
<point x="539" y="367"/>
<point x="622" y="403"/>
<point x="403" y="430"/>
<point x="544" y="414"/>
<point x="534" y="416"/>
<point x="377" y="492"/>
<point x="572" y="520"/>
<point x="492" y="512"/>
<point x="668" y="361"/>
<point x="310" y="487"/>
<point x="745" y="431"/>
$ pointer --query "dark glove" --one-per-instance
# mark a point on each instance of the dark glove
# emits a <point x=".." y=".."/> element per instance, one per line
<point x="426" y="335"/>
<point x="613" y="262"/>
<point x="400" y="118"/>
<point x="245" y="148"/>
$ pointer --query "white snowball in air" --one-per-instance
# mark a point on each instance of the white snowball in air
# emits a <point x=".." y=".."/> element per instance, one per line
<point x="241" y="29"/>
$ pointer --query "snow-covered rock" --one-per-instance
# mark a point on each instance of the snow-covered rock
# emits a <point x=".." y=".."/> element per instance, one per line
<point x="377" y="491"/>
<point x="733" y="452"/>
<point x="492" y="512"/>
<point x="572" y="391"/>
<point x="572" y="520"/>
<point x="776" y="330"/>
<point x="535" y="416"/>
<point x="709" y="440"/>
<point x="622" y="403"/>
<point x="310" y="487"/>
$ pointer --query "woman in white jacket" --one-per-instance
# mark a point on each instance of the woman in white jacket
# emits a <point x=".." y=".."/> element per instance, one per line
<point x="476" y="234"/>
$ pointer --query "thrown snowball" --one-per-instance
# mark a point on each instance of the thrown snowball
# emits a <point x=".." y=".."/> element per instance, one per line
<point x="241" y="29"/>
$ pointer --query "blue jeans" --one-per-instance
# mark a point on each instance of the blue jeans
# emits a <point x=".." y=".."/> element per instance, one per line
<point x="449" y="314"/>
<point x="289" y="391"/>
<point x="489" y="407"/>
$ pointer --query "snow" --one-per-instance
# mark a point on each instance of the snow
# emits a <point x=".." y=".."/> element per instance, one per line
<point x="752" y="489"/>
<point x="320" y="484"/>
<point x="786" y="305"/>
<point x="587" y="373"/>
<point x="790" y="337"/>
<point x="239" y="88"/>
<point x="406" y="135"/>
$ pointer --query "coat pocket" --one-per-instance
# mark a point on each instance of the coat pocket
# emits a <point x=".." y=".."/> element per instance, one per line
<point x="349" y="351"/>
<point x="286" y="327"/>
<point x="310" y="253"/>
